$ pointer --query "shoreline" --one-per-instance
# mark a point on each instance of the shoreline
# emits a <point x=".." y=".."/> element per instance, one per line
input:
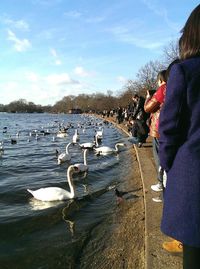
<point x="148" y="252"/>
<point x="122" y="242"/>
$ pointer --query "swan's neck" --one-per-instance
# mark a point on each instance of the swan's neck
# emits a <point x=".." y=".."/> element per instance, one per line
<point x="67" y="148"/>
<point x="117" y="147"/>
<point x="85" y="157"/>
<point x="96" y="141"/>
<point x="70" y="182"/>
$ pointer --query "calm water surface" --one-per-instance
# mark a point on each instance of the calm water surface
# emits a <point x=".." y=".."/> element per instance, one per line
<point x="38" y="234"/>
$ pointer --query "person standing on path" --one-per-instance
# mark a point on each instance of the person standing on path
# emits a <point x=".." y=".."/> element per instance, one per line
<point x="153" y="105"/>
<point x="179" y="150"/>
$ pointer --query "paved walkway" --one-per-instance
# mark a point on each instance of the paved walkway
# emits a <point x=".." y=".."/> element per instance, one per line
<point x="155" y="256"/>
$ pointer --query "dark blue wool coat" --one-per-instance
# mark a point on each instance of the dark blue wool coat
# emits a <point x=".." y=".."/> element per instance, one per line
<point x="179" y="153"/>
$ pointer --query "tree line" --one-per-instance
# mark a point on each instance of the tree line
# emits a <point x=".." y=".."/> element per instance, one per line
<point x="145" y="80"/>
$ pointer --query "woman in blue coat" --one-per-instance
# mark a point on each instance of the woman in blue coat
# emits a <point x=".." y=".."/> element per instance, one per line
<point x="179" y="149"/>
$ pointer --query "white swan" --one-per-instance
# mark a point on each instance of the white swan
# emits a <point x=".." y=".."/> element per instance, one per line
<point x="65" y="156"/>
<point x="89" y="145"/>
<point x="75" y="137"/>
<point x="61" y="134"/>
<point x="108" y="150"/>
<point x="82" y="167"/>
<point x="99" y="134"/>
<point x="1" y="147"/>
<point x="55" y="193"/>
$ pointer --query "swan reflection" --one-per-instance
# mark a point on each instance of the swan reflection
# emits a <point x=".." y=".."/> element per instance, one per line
<point x="40" y="205"/>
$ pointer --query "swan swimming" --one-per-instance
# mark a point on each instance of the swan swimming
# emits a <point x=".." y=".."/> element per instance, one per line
<point x="65" y="156"/>
<point x="62" y="134"/>
<point x="75" y="137"/>
<point x="82" y="167"/>
<point x="1" y="148"/>
<point x="108" y="150"/>
<point x="99" y="134"/>
<point x="89" y="145"/>
<point x="51" y="194"/>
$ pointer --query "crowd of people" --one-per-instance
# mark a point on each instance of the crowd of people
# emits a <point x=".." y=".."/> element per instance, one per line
<point x="171" y="117"/>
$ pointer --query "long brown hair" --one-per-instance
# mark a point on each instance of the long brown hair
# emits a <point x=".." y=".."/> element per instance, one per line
<point x="189" y="42"/>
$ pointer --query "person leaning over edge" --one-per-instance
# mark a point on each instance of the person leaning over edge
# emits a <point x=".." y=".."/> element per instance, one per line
<point x="179" y="149"/>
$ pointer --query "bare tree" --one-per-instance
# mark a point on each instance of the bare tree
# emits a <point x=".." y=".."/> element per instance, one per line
<point x="171" y="52"/>
<point x="147" y="76"/>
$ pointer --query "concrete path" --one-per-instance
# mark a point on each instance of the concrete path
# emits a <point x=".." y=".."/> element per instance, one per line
<point x="155" y="256"/>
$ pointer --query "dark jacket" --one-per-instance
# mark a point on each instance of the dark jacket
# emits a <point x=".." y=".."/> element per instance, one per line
<point x="139" y="112"/>
<point x="140" y="130"/>
<point x="179" y="153"/>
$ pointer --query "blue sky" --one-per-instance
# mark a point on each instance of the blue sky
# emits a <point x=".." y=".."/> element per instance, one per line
<point x="53" y="48"/>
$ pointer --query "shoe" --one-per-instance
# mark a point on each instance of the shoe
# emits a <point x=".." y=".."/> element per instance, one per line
<point x="157" y="199"/>
<point x="173" y="246"/>
<point x="139" y="145"/>
<point x="157" y="187"/>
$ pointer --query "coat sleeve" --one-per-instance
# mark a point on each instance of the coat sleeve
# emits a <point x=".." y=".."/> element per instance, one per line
<point x="151" y="105"/>
<point x="170" y="117"/>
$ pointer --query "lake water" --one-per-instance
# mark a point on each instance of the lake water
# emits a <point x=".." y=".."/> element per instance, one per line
<point x="37" y="234"/>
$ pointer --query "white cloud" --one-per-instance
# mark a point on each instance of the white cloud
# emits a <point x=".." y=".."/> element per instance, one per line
<point x="60" y="79"/>
<point x="57" y="61"/>
<point x="121" y="79"/>
<point x="19" y="44"/>
<point x="126" y="35"/>
<point x="53" y="52"/>
<point x="161" y="12"/>
<point x="32" y="77"/>
<point x="39" y="89"/>
<point x="18" y="24"/>
<point x="73" y="14"/>
<point x="46" y="2"/>
<point x="95" y="19"/>
<point x="9" y="92"/>
<point x="80" y="71"/>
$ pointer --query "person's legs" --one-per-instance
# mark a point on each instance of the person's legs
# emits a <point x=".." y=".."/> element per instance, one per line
<point x="158" y="186"/>
<point x="191" y="257"/>
<point x="155" y="152"/>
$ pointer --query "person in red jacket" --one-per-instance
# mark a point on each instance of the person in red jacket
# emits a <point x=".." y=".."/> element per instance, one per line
<point x="153" y="105"/>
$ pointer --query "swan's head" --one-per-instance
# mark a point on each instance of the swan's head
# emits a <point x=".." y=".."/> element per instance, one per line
<point x="72" y="169"/>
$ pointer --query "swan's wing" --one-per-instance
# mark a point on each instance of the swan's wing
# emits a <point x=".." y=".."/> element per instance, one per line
<point x="87" y="145"/>
<point x="51" y="194"/>
<point x="104" y="149"/>
<point x="61" y="155"/>
<point x="61" y="134"/>
<point x="64" y="157"/>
